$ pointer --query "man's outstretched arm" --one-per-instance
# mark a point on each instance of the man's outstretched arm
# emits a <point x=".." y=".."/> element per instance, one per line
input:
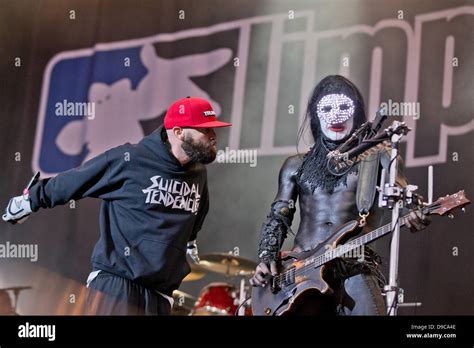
<point x="89" y="180"/>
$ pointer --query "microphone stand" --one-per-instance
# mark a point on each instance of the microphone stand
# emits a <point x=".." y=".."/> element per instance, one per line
<point x="393" y="195"/>
<point x="393" y="199"/>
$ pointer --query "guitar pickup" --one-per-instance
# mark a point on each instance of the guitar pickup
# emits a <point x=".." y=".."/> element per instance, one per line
<point x="274" y="287"/>
<point x="291" y="276"/>
<point x="283" y="279"/>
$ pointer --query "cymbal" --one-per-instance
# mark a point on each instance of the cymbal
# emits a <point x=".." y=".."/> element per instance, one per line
<point x="196" y="273"/>
<point x="227" y="264"/>
<point x="17" y="288"/>
<point x="178" y="294"/>
<point x="183" y="303"/>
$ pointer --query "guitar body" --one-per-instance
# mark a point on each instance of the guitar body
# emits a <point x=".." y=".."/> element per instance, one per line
<point x="305" y="294"/>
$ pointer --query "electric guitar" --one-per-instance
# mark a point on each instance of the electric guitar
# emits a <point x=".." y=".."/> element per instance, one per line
<point x="304" y="273"/>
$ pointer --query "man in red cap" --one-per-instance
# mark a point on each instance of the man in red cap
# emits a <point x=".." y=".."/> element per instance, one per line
<point x="189" y="125"/>
<point x="154" y="202"/>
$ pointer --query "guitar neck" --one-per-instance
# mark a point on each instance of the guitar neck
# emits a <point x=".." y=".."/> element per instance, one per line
<point x="379" y="232"/>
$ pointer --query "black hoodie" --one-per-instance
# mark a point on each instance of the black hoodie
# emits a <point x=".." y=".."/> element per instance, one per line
<point x="152" y="206"/>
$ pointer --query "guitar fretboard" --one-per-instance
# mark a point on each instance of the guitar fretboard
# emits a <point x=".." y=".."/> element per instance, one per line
<point x="354" y="244"/>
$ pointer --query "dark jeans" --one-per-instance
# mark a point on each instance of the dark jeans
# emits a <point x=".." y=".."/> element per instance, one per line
<point x="360" y="284"/>
<point x="109" y="294"/>
<point x="361" y="295"/>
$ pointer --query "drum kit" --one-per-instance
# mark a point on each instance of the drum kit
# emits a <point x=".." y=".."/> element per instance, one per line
<point x="6" y="305"/>
<point x="218" y="298"/>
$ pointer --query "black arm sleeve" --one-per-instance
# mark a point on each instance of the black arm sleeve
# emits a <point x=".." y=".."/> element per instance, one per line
<point x="89" y="180"/>
<point x="275" y="228"/>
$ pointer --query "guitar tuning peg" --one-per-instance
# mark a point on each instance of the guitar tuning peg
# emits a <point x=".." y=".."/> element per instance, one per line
<point x="463" y="209"/>
<point x="451" y="215"/>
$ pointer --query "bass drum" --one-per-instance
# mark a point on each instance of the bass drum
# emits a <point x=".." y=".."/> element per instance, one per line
<point x="218" y="299"/>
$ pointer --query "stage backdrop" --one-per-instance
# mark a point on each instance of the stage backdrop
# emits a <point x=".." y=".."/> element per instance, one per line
<point x="257" y="61"/>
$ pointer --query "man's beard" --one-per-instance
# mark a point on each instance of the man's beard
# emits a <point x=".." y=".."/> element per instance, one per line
<point x="199" y="152"/>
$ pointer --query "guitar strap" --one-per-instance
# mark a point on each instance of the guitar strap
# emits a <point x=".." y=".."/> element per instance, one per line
<point x="369" y="169"/>
<point x="367" y="182"/>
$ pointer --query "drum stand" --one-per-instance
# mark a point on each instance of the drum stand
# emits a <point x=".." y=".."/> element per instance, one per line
<point x="242" y="297"/>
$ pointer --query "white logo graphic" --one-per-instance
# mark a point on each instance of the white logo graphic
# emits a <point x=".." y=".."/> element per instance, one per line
<point x="119" y="108"/>
<point x="209" y="113"/>
<point x="173" y="193"/>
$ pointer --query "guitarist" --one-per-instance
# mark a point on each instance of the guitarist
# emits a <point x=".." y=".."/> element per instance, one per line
<point x="335" y="110"/>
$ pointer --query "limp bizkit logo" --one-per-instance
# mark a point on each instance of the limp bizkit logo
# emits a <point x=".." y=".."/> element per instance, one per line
<point x="173" y="193"/>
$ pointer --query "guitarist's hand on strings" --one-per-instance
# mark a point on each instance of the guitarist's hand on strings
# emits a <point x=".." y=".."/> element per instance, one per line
<point x="417" y="221"/>
<point x="263" y="273"/>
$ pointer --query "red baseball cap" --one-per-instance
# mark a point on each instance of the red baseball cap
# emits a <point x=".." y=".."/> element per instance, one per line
<point x="192" y="112"/>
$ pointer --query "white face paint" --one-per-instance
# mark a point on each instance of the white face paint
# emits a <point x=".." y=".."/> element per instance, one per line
<point x="335" y="112"/>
